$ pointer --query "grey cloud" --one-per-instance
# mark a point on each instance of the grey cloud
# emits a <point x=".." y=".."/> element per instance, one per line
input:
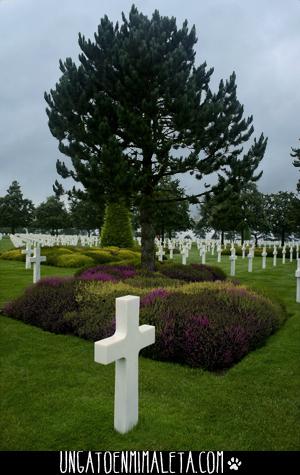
<point x="260" y="40"/>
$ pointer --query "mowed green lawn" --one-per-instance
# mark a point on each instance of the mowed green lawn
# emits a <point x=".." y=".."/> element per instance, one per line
<point x="54" y="397"/>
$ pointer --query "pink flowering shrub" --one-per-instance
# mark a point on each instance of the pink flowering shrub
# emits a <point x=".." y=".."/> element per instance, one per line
<point x="106" y="273"/>
<point x="192" y="272"/>
<point x="211" y="325"/>
<point x="45" y="304"/>
<point x="213" y="328"/>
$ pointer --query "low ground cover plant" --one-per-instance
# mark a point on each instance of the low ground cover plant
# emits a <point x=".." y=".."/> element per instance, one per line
<point x="208" y="324"/>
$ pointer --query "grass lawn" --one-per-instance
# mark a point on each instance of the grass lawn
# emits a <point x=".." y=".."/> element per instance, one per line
<point x="5" y="244"/>
<point x="54" y="397"/>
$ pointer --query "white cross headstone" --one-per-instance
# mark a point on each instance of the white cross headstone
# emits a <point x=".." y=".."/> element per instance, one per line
<point x="243" y="250"/>
<point x="283" y="255"/>
<point x="36" y="261"/>
<point x="160" y="254"/>
<point x="274" y="256"/>
<point x="123" y="349"/>
<point x="219" y="251"/>
<point x="297" y="275"/>
<point x="264" y="255"/>
<point x="28" y="253"/>
<point x="203" y="254"/>
<point x="250" y="259"/>
<point x="291" y="253"/>
<point x="232" y="259"/>
<point x="184" y="254"/>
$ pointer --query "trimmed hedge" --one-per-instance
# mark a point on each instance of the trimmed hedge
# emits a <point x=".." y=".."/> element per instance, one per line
<point x="117" y="229"/>
<point x="14" y="255"/>
<point x="76" y="257"/>
<point x="74" y="260"/>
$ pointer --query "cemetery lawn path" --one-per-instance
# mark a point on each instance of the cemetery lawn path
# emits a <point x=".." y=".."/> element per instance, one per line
<point x="54" y="397"/>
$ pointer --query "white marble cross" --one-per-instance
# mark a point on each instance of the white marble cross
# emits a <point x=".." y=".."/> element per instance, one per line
<point x="160" y="254"/>
<point x="274" y="256"/>
<point x="283" y="255"/>
<point x="36" y="261"/>
<point x="297" y="275"/>
<point x="243" y="250"/>
<point x="184" y="254"/>
<point x="232" y="259"/>
<point x="203" y="254"/>
<point x="264" y="255"/>
<point x="250" y="259"/>
<point x="291" y="253"/>
<point x="123" y="349"/>
<point x="219" y="251"/>
<point x="28" y="253"/>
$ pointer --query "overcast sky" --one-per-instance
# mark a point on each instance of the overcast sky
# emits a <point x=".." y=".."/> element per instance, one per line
<point x="258" y="39"/>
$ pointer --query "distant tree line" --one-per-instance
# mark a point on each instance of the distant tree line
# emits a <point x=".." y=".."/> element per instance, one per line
<point x="52" y="215"/>
<point x="80" y="213"/>
<point x="251" y="214"/>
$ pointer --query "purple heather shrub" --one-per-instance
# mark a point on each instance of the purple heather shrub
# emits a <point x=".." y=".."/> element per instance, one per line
<point x="150" y="298"/>
<point x="54" y="281"/>
<point x="100" y="276"/>
<point x="44" y="304"/>
<point x="106" y="273"/>
<point x="192" y="272"/>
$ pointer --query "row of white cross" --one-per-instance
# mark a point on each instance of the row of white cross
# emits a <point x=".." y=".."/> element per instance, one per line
<point x="50" y="241"/>
<point x="203" y="251"/>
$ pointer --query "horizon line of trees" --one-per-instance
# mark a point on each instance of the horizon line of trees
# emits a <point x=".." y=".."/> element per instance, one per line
<point x="247" y="213"/>
<point x="81" y="213"/>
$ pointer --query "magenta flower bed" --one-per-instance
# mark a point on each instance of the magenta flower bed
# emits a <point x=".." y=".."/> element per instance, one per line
<point x="107" y="273"/>
<point x="211" y="325"/>
<point x="45" y="304"/>
<point x="212" y="329"/>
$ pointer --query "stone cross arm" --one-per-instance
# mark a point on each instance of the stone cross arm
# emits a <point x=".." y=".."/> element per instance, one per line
<point x="118" y="346"/>
<point x="129" y="337"/>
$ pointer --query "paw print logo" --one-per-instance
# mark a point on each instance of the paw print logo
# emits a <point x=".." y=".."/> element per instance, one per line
<point x="234" y="463"/>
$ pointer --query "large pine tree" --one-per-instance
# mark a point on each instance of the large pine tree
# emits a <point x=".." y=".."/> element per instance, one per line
<point x="137" y="109"/>
<point x="296" y="155"/>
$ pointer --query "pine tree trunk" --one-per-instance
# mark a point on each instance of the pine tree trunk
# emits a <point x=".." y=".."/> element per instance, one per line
<point x="242" y="236"/>
<point x="282" y="237"/>
<point x="222" y="238"/>
<point x="147" y="234"/>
